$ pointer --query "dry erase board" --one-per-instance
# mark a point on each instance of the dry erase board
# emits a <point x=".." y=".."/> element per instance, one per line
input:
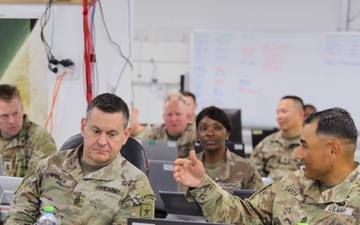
<point x="252" y="71"/>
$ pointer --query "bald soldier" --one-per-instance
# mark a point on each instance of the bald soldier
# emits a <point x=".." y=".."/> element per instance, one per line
<point x="22" y="142"/>
<point x="274" y="156"/>
<point x="92" y="184"/>
<point x="325" y="191"/>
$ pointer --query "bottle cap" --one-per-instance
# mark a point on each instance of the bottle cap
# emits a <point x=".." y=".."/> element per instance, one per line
<point x="49" y="209"/>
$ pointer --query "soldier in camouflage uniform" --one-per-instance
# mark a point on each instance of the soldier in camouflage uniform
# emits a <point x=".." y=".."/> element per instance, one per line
<point x="326" y="191"/>
<point x="227" y="169"/>
<point x="275" y="155"/>
<point x="138" y="130"/>
<point x="92" y="184"/>
<point x="22" y="142"/>
<point x="177" y="126"/>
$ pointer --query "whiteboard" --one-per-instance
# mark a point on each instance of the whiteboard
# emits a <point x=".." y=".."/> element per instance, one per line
<point x="252" y="71"/>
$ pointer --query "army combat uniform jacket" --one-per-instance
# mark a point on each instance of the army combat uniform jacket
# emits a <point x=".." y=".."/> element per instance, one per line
<point x="185" y="141"/>
<point x="233" y="173"/>
<point x="291" y="200"/>
<point x="28" y="147"/>
<point x="107" y="196"/>
<point x="275" y="156"/>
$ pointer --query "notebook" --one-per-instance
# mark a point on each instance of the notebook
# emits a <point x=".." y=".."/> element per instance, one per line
<point x="143" y="221"/>
<point x="161" y="150"/>
<point x="177" y="207"/>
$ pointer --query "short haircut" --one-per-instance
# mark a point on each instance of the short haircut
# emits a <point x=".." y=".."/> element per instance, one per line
<point x="176" y="97"/>
<point x="335" y="122"/>
<point x="310" y="107"/>
<point x="109" y="103"/>
<point x="217" y="114"/>
<point x="297" y="100"/>
<point x="9" y="92"/>
<point x="189" y="94"/>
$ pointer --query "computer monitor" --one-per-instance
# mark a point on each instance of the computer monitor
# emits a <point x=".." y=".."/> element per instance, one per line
<point x="161" y="150"/>
<point x="235" y="118"/>
<point x="1" y="168"/>
<point x="8" y="186"/>
<point x="236" y="147"/>
<point x="258" y="134"/>
<point x="161" y="178"/>
<point x="244" y="193"/>
<point x="143" y="221"/>
<point x="175" y="203"/>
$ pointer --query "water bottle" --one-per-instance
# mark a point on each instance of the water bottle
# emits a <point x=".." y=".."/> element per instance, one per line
<point x="48" y="217"/>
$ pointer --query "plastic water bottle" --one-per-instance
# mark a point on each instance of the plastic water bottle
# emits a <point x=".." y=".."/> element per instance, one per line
<point x="48" y="217"/>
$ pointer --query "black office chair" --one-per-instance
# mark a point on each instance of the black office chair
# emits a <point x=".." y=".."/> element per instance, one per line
<point x="132" y="151"/>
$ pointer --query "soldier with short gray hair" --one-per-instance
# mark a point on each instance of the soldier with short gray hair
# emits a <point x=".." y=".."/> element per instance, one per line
<point x="91" y="184"/>
<point x="325" y="191"/>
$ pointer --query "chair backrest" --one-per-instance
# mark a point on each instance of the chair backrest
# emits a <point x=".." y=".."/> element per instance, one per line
<point x="258" y="134"/>
<point x="132" y="151"/>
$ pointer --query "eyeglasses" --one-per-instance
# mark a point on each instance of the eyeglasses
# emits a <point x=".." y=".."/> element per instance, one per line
<point x="7" y="116"/>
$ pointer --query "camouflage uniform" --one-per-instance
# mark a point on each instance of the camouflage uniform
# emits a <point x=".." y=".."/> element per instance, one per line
<point x="291" y="200"/>
<point x="185" y="141"/>
<point x="107" y="196"/>
<point x="142" y="134"/>
<point x="275" y="156"/>
<point x="234" y="172"/>
<point x="28" y="147"/>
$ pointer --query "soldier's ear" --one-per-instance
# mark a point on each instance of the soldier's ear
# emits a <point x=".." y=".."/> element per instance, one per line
<point x="335" y="148"/>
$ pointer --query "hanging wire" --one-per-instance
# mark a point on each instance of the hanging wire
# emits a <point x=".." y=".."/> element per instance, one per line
<point x="43" y="22"/>
<point x="53" y="101"/>
<point x="95" y="71"/>
<point x="127" y="59"/>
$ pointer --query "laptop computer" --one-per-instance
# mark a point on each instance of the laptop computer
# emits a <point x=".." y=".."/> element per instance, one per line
<point x="8" y="186"/>
<point x="161" y="179"/>
<point x="236" y="147"/>
<point x="143" y="221"/>
<point x="244" y="193"/>
<point x="161" y="150"/>
<point x="258" y="134"/>
<point x="177" y="207"/>
<point x="1" y="168"/>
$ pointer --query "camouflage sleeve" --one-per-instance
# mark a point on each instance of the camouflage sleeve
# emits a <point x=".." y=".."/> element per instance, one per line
<point x="257" y="159"/>
<point x="140" y="203"/>
<point x="43" y="146"/>
<point x="26" y="203"/>
<point x="231" y="209"/>
<point x="253" y="179"/>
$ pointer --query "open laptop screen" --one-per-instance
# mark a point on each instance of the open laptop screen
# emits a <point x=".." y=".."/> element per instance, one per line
<point x="160" y="150"/>
<point x="243" y="193"/>
<point x="1" y="168"/>
<point x="8" y="186"/>
<point x="176" y="203"/>
<point x="143" y="221"/>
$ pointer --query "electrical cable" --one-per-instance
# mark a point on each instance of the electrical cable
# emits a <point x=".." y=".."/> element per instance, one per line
<point x="43" y="22"/>
<point x="55" y="94"/>
<point x="127" y="59"/>
<point x="95" y="74"/>
<point x="89" y="54"/>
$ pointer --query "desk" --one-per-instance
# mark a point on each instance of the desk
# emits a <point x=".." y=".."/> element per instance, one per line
<point x="3" y="210"/>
